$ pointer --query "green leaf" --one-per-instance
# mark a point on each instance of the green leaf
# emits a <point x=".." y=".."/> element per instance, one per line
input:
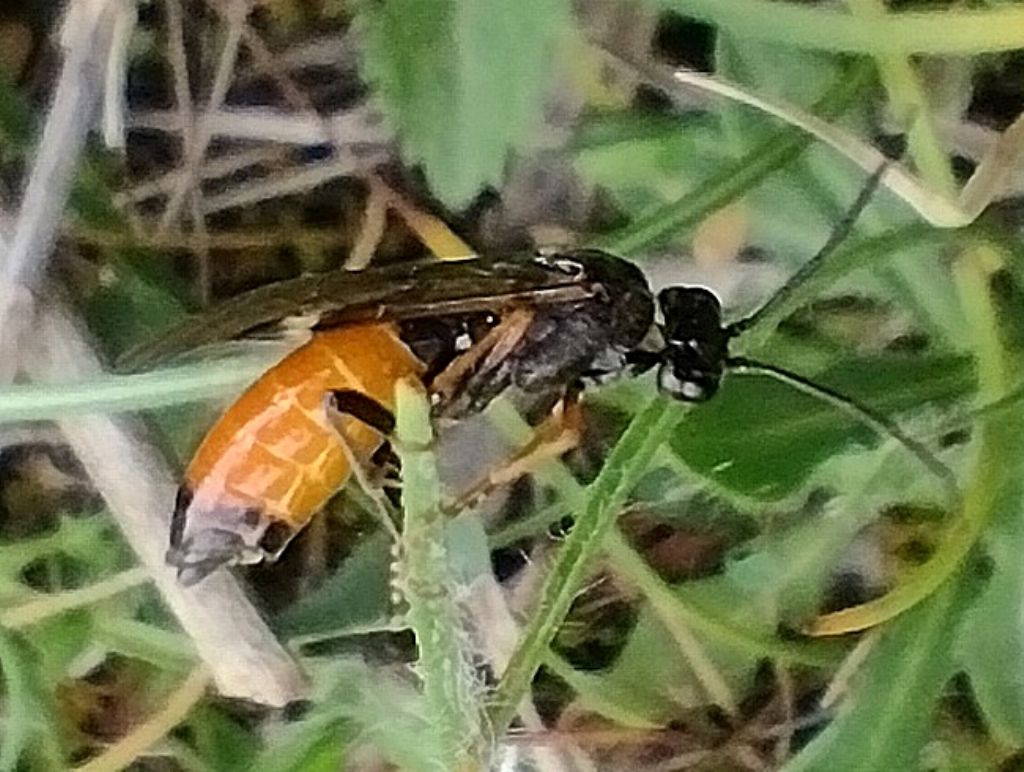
<point x="991" y="643"/>
<point x="359" y="593"/>
<point x="657" y="672"/>
<point x="631" y="698"/>
<point x="89" y="541"/>
<point x="131" y="307"/>
<point x="324" y="755"/>
<point x="773" y="71"/>
<point x="304" y="747"/>
<point x="653" y="680"/>
<point x="958" y="753"/>
<point x="15" y="119"/>
<point x="888" y="716"/>
<point x="224" y="744"/>
<point x="353" y="700"/>
<point x="59" y="641"/>
<point x="784" y="575"/>
<point x="143" y="641"/>
<point x="777" y="150"/>
<point x="761" y="438"/>
<point x="646" y="160"/>
<point x="800" y="25"/>
<point x="463" y="83"/>
<point x="790" y="215"/>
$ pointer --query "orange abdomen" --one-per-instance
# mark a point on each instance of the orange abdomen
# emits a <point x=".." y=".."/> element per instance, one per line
<point x="277" y="450"/>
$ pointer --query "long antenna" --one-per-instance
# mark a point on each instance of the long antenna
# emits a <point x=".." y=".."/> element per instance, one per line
<point x="838" y="235"/>
<point x="860" y="412"/>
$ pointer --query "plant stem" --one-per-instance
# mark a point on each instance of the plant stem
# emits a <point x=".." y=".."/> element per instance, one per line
<point x="797" y="25"/>
<point x="449" y="685"/>
<point x="626" y="463"/>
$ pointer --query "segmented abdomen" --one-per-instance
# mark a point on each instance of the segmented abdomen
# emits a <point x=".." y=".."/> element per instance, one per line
<point x="276" y="449"/>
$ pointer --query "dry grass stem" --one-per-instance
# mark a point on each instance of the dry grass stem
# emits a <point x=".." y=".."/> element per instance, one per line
<point x="199" y="138"/>
<point x="46" y="606"/>
<point x="361" y="126"/>
<point x="88" y="41"/>
<point x="289" y="183"/>
<point x="241" y="654"/>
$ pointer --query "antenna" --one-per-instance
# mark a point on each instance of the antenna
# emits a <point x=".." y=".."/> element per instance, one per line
<point x="857" y="410"/>
<point x="695" y="354"/>
<point x="838" y="236"/>
<point x="881" y="424"/>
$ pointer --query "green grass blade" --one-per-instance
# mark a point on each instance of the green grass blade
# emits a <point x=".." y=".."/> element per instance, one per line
<point x="990" y="475"/>
<point x="626" y="463"/>
<point x="123" y="393"/>
<point x="891" y="710"/>
<point x="800" y="25"/>
<point x="777" y="151"/>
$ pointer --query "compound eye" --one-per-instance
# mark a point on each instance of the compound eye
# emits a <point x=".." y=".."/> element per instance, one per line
<point x="683" y="389"/>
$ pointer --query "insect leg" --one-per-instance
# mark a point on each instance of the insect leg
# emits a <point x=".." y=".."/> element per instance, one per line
<point x="480" y="373"/>
<point x="556" y="436"/>
<point x="365" y="409"/>
<point x="370" y="471"/>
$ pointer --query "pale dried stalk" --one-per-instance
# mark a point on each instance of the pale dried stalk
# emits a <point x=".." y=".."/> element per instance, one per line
<point x="360" y="126"/>
<point x="200" y="138"/>
<point x="88" y="41"/>
<point x="241" y="654"/>
<point x="213" y="169"/>
<point x="265" y="63"/>
<point x="50" y="604"/>
<point x="183" y="102"/>
<point x="298" y="180"/>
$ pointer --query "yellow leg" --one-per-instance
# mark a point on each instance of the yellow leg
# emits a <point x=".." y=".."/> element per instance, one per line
<point x="560" y="433"/>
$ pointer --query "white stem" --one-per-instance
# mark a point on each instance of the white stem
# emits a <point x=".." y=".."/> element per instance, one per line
<point x="87" y="38"/>
<point x="241" y="653"/>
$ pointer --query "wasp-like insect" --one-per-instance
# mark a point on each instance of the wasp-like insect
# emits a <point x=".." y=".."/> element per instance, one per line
<point x="469" y="330"/>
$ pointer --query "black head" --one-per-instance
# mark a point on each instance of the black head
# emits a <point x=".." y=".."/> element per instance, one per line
<point x="691" y="364"/>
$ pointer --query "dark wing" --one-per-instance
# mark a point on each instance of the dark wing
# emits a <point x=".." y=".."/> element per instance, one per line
<point x="425" y="288"/>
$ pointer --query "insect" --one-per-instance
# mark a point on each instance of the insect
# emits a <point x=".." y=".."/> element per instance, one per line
<point x="469" y="330"/>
